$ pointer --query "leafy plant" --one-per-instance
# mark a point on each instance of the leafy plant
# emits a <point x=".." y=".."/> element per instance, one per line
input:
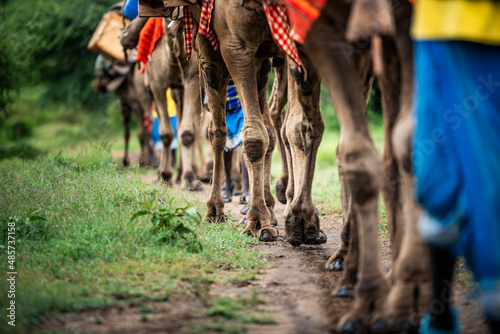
<point x="30" y="227"/>
<point x="169" y="224"/>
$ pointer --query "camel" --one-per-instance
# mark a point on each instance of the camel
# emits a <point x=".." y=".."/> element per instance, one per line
<point x="167" y="68"/>
<point x="134" y="97"/>
<point x="361" y="171"/>
<point x="245" y="46"/>
<point x="348" y="70"/>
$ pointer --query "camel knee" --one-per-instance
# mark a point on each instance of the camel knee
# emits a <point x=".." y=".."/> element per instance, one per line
<point x="362" y="169"/>
<point x="255" y="143"/>
<point x="187" y="137"/>
<point x="167" y="137"/>
<point x="217" y="138"/>
<point x="254" y="149"/>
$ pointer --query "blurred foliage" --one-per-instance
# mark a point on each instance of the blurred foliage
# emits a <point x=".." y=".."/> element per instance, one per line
<point x="45" y="43"/>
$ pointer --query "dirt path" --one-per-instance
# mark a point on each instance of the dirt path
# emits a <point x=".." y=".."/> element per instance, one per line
<point x="297" y="287"/>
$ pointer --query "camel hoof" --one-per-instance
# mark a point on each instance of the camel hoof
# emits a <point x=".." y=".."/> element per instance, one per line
<point x="266" y="236"/>
<point x="207" y="177"/>
<point x="343" y="292"/>
<point x="274" y="222"/>
<point x="245" y="210"/>
<point x="321" y="239"/>
<point x="296" y="242"/>
<point x="337" y="265"/>
<point x="351" y="326"/>
<point x="280" y="192"/>
<point x="195" y="186"/>
<point x="380" y="326"/>
<point x="406" y="327"/>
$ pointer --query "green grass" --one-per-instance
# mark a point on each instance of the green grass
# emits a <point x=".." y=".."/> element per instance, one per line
<point x="230" y="314"/>
<point x="89" y="254"/>
<point x="55" y="163"/>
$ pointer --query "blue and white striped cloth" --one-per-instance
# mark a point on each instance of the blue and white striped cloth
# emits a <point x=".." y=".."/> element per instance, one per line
<point x="234" y="118"/>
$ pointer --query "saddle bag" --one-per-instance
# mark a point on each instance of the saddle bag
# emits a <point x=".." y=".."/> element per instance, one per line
<point x="106" y="38"/>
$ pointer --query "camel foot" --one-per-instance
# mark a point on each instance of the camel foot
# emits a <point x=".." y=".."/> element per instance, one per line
<point x="299" y="231"/>
<point x="404" y="326"/>
<point x="125" y="163"/>
<point x="380" y="326"/>
<point x="350" y="326"/>
<point x="281" y="192"/>
<point x="207" y="177"/>
<point x="165" y="178"/>
<point x="336" y="265"/>
<point x="193" y="186"/>
<point x="245" y="210"/>
<point x="268" y="235"/>
<point x="215" y="212"/>
<point x="320" y="239"/>
<point x="343" y="292"/>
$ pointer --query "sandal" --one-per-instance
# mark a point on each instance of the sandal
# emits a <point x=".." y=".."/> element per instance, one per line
<point x="245" y="199"/>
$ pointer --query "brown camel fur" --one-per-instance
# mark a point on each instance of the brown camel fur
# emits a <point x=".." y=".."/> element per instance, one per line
<point x="363" y="173"/>
<point x="168" y="67"/>
<point x="134" y="99"/>
<point x="245" y="46"/>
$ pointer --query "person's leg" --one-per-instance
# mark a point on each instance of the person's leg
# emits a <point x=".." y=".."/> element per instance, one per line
<point x="227" y="187"/>
<point x="439" y="308"/>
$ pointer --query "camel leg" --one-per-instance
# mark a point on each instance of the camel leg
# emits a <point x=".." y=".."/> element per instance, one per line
<point x="143" y="99"/>
<point x="125" y="111"/>
<point x="216" y="78"/>
<point x="411" y="288"/>
<point x="191" y="107"/>
<point x="165" y="171"/>
<point x="256" y="138"/>
<point x="178" y="96"/>
<point x="360" y="163"/>
<point x="345" y="287"/>
<point x="336" y="261"/>
<point x="144" y="158"/>
<point x="304" y="133"/>
<point x="263" y="78"/>
<point x="277" y="104"/>
<point x="290" y="188"/>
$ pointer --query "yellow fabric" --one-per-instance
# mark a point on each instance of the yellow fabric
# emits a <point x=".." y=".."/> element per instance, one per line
<point x="171" y="105"/>
<point x="469" y="20"/>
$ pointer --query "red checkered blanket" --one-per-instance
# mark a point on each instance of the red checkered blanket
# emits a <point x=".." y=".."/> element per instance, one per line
<point x="204" y="28"/>
<point x="289" y="23"/>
